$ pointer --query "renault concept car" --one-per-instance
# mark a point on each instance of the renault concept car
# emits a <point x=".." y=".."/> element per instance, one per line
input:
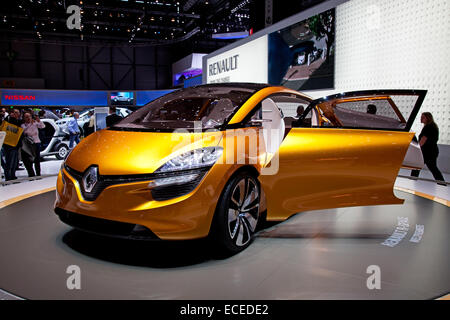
<point x="214" y="160"/>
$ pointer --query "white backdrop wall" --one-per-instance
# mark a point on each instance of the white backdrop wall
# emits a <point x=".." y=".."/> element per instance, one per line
<point x="396" y="44"/>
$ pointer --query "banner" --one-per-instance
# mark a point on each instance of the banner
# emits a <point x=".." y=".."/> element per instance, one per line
<point x="13" y="133"/>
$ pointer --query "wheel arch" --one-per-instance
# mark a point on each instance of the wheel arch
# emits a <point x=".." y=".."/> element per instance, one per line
<point x="255" y="173"/>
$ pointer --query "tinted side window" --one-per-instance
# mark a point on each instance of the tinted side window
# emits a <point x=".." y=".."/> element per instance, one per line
<point x="379" y="113"/>
<point x="368" y="114"/>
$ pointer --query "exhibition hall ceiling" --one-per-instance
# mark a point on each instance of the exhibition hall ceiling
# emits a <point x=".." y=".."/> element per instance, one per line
<point x="131" y="22"/>
<point x="138" y="22"/>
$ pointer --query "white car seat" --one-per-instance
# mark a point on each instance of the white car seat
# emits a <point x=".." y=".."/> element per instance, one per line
<point x="273" y="126"/>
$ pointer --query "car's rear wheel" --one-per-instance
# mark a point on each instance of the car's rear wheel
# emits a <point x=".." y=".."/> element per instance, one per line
<point x="237" y="213"/>
<point x="62" y="151"/>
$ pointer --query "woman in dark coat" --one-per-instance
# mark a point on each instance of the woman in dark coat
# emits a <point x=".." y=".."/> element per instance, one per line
<point x="428" y="139"/>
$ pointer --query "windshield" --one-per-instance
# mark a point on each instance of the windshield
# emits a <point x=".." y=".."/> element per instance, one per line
<point x="210" y="105"/>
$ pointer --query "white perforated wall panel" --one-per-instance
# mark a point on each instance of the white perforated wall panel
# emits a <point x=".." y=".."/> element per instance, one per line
<point x="401" y="44"/>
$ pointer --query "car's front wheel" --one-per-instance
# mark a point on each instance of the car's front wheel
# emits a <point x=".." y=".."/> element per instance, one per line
<point x="237" y="213"/>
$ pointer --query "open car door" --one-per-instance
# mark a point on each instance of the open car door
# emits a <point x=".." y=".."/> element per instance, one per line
<point x="346" y="150"/>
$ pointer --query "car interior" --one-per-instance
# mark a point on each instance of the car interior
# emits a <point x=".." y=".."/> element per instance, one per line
<point x="288" y="105"/>
<point x="379" y="112"/>
<point x="46" y="135"/>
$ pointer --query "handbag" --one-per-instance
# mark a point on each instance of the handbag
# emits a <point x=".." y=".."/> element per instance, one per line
<point x="28" y="147"/>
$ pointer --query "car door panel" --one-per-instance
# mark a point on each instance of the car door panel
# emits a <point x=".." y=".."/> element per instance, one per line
<point x="329" y="168"/>
<point x="321" y="167"/>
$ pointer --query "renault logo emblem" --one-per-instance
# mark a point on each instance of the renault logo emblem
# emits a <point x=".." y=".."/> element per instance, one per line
<point x="90" y="178"/>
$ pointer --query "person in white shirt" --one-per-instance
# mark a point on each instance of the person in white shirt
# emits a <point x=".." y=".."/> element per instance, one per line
<point x="91" y="125"/>
<point x="31" y="129"/>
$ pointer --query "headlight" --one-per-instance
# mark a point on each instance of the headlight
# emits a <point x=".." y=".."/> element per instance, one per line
<point x="194" y="159"/>
<point x="182" y="174"/>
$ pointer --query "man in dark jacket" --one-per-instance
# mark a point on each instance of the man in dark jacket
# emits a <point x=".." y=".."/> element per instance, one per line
<point x="113" y="117"/>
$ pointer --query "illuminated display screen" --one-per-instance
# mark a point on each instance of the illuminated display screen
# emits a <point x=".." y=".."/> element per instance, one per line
<point x="69" y="98"/>
<point x="182" y="77"/>
<point x="122" y="98"/>
<point x="301" y="56"/>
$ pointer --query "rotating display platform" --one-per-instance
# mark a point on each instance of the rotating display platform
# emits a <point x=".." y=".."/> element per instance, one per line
<point x="327" y="254"/>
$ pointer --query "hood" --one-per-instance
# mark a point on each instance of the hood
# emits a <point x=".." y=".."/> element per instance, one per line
<point x="129" y="152"/>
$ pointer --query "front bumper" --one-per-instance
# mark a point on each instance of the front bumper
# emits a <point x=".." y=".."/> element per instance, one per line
<point x="185" y="217"/>
<point x="105" y="227"/>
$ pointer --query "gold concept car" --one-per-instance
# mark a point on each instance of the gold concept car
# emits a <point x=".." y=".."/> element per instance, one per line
<point x="215" y="160"/>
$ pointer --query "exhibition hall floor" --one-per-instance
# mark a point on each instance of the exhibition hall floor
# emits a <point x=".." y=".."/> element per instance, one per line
<point x="314" y="255"/>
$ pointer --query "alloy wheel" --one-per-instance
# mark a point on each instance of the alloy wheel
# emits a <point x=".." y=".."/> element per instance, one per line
<point x="243" y="211"/>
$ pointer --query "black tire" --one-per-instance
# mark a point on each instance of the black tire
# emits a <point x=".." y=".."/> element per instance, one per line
<point x="237" y="214"/>
<point x="61" y="154"/>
